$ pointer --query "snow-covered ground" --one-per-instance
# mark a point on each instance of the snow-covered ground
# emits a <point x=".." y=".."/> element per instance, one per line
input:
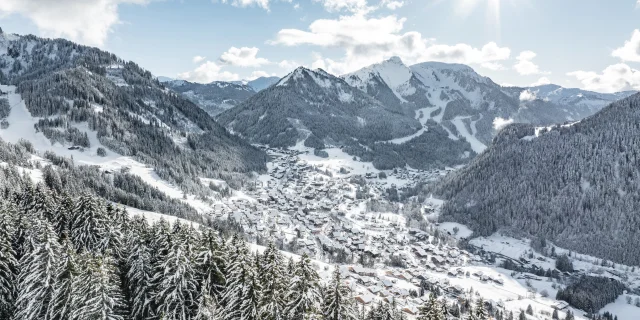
<point x="22" y="127"/>
<point x="476" y="145"/>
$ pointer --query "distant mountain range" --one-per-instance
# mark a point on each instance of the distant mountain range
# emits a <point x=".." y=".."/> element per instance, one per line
<point x="319" y="109"/>
<point x="214" y="97"/>
<point x="425" y="98"/>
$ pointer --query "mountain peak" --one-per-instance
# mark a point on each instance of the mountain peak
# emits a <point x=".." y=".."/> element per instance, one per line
<point x="395" y="60"/>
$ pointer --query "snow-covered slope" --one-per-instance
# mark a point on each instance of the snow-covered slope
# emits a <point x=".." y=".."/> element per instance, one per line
<point x="465" y="103"/>
<point x="323" y="110"/>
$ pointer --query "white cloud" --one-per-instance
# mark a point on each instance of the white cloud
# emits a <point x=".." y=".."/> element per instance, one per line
<point x="198" y="59"/>
<point x="393" y="5"/>
<point x="259" y="73"/>
<point x="527" y="95"/>
<point x="243" y="57"/>
<point x="369" y="40"/>
<point x="631" y="49"/>
<point x="264" y="4"/>
<point x="499" y="123"/>
<point x="617" y="77"/>
<point x="85" y="21"/>
<point x="542" y="81"/>
<point x="288" y="65"/>
<point x="359" y="6"/>
<point x="207" y="72"/>
<point x="495" y="66"/>
<point x="525" y="66"/>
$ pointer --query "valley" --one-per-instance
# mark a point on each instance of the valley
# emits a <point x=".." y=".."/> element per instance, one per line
<point x="395" y="185"/>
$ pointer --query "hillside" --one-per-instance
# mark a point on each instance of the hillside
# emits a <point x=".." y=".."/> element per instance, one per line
<point x="74" y="92"/>
<point x="324" y="110"/>
<point x="577" y="185"/>
<point x="466" y="104"/>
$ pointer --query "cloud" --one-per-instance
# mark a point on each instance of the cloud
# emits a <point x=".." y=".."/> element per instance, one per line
<point x="614" y="78"/>
<point x="499" y="123"/>
<point x="631" y="49"/>
<point x="288" y="65"/>
<point x="525" y="66"/>
<point x="198" y="59"/>
<point x="264" y="4"/>
<point x="87" y="22"/>
<point x="359" y="6"/>
<point x="259" y="73"/>
<point x="208" y="72"/>
<point x="393" y="5"/>
<point x="369" y="40"/>
<point x="527" y="95"/>
<point x="542" y="81"/>
<point x="243" y="57"/>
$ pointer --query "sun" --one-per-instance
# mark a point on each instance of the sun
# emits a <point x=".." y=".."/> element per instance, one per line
<point x="464" y="8"/>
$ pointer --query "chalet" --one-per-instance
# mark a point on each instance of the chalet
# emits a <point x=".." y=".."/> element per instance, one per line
<point x="364" y="299"/>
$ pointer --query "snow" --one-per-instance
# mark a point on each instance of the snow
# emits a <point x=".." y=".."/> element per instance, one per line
<point x="345" y="96"/>
<point x="622" y="309"/>
<point x="392" y="72"/>
<point x="409" y="137"/>
<point x="476" y="145"/>
<point x="21" y="126"/>
<point x="34" y="174"/>
<point x="463" y="231"/>
<point x="339" y="159"/>
<point x="322" y="82"/>
<point x="153" y="217"/>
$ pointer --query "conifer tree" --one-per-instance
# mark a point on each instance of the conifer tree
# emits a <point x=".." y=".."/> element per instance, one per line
<point x="236" y="279"/>
<point x="8" y="262"/>
<point x="89" y="225"/>
<point x="139" y="279"/>
<point x="337" y="302"/>
<point x="208" y="308"/>
<point x="304" y="291"/>
<point x="178" y="284"/>
<point x="99" y="289"/>
<point x="250" y="306"/>
<point x="212" y="260"/>
<point x="37" y="276"/>
<point x="66" y="297"/>
<point x="272" y="300"/>
<point x="480" y="313"/>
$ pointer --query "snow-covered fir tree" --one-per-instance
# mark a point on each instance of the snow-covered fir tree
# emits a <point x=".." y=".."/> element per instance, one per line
<point x="99" y="289"/>
<point x="338" y="302"/>
<point x="37" y="277"/>
<point x="66" y="296"/>
<point x="177" y="293"/>
<point x="274" y="284"/>
<point x="304" y="292"/>
<point x="8" y="262"/>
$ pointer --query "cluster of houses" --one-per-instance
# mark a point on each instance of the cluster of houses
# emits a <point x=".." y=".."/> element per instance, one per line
<point x="318" y="211"/>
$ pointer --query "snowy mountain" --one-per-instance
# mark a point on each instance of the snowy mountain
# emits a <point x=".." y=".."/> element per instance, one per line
<point x="214" y="97"/>
<point x="576" y="185"/>
<point x="320" y="109"/>
<point x="81" y="98"/>
<point x="262" y="83"/>
<point x="465" y="103"/>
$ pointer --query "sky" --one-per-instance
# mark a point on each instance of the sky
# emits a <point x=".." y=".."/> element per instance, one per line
<point x="590" y="44"/>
